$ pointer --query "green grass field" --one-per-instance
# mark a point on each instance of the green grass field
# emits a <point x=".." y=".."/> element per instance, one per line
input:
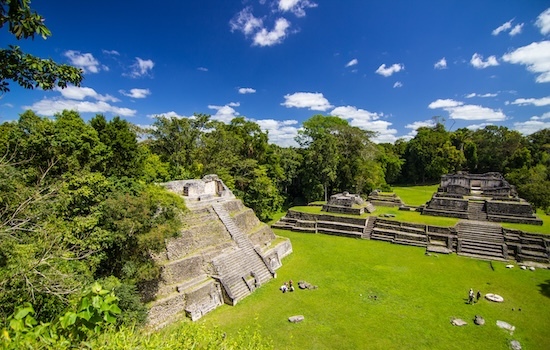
<point x="416" y="296"/>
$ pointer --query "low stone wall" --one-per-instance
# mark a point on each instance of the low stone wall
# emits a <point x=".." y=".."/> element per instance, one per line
<point x="448" y="203"/>
<point x="343" y="210"/>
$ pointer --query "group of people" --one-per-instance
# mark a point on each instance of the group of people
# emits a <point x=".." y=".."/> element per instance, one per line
<point x="472" y="299"/>
<point x="287" y="287"/>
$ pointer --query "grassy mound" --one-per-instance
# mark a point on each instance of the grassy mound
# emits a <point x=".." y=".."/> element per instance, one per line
<point x="377" y="295"/>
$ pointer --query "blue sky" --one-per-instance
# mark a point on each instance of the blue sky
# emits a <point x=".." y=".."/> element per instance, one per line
<point x="385" y="66"/>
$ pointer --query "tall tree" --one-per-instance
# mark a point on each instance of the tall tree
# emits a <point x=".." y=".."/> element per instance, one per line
<point x="25" y="69"/>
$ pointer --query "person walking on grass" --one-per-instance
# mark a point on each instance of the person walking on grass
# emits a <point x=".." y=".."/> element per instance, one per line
<point x="471" y="296"/>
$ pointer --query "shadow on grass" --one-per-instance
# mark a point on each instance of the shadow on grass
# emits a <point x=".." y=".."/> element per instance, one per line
<point x="545" y="288"/>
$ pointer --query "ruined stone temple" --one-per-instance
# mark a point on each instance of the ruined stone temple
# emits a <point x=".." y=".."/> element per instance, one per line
<point x="482" y="197"/>
<point x="221" y="256"/>
<point x="347" y="203"/>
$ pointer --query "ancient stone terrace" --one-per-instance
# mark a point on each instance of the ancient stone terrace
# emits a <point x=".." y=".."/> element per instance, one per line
<point x="480" y="197"/>
<point x="222" y="255"/>
<point x="347" y="203"/>
<point x="481" y="240"/>
<point x="379" y="198"/>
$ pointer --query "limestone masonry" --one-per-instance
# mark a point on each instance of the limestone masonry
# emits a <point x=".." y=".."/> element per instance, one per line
<point x="221" y="256"/>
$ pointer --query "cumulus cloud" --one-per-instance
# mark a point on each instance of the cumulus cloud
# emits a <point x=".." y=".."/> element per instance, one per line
<point x="170" y="114"/>
<point x="225" y="113"/>
<point x="394" y="68"/>
<point x="458" y="110"/>
<point x="266" y="37"/>
<point x="534" y="124"/>
<point x="397" y="84"/>
<point x="86" y="61"/>
<point x="280" y="132"/>
<point x="244" y="21"/>
<point x="353" y="62"/>
<point x="314" y="101"/>
<point x="297" y="7"/>
<point x="81" y="93"/>
<point x="502" y="28"/>
<point x="136" y="93"/>
<point x="50" y="107"/>
<point x="141" y="68"/>
<point x="366" y="120"/>
<point x="516" y="30"/>
<point x="474" y="127"/>
<point x="246" y="90"/>
<point x="536" y="56"/>
<point x="478" y="62"/>
<point x="414" y="126"/>
<point x="539" y="102"/>
<point x="441" y="64"/>
<point x="444" y="103"/>
<point x="543" y="22"/>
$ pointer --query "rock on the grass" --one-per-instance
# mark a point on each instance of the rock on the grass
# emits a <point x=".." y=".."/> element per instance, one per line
<point x="480" y="321"/>
<point x="510" y="266"/>
<point x="506" y="325"/>
<point x="458" y="322"/>
<point x="515" y="345"/>
<point x="296" y="319"/>
<point x="532" y="268"/>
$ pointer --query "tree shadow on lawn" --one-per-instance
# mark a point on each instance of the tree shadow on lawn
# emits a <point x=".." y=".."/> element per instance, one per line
<point x="545" y="288"/>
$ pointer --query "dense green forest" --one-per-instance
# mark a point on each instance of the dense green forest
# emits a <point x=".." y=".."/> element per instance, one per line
<point x="80" y="205"/>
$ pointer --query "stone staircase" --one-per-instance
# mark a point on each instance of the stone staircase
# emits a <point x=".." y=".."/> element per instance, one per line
<point x="399" y="233"/>
<point x="370" y="207"/>
<point x="243" y="269"/>
<point x="476" y="211"/>
<point x="481" y="240"/>
<point x="369" y="225"/>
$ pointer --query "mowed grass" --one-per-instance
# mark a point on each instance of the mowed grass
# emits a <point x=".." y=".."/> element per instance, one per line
<point x="415" y="195"/>
<point x="416" y="296"/>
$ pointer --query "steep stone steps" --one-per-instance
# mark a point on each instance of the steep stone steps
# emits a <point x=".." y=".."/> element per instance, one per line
<point x="244" y="268"/>
<point x="371" y="221"/>
<point x="476" y="211"/>
<point x="481" y="240"/>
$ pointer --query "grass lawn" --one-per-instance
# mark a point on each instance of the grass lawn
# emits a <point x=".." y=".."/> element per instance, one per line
<point x="416" y="295"/>
<point x="415" y="195"/>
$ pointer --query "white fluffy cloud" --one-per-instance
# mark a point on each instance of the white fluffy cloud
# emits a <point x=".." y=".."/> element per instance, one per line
<point x="81" y="93"/>
<point x="458" y="110"/>
<point x="136" y="93"/>
<point x="271" y="37"/>
<point x="366" y="120"/>
<point x="245" y="22"/>
<point x="86" y="61"/>
<point x="141" y="68"/>
<point x="441" y="64"/>
<point x="394" y="68"/>
<point x="474" y="127"/>
<point x="534" y="124"/>
<point x="170" y="114"/>
<point x="502" y="28"/>
<point x="478" y="62"/>
<point x="314" y="101"/>
<point x="536" y="56"/>
<point x="539" y="102"/>
<point x="414" y="126"/>
<point x="247" y="90"/>
<point x="297" y="7"/>
<point x="353" y="62"/>
<point x="225" y="113"/>
<point x="543" y="22"/>
<point x="280" y="132"/>
<point x="516" y="30"/>
<point x="50" y="107"/>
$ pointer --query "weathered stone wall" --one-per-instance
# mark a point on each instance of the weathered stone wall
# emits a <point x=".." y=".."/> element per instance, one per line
<point x="182" y="270"/>
<point x="509" y="208"/>
<point x="262" y="237"/>
<point x="246" y="220"/>
<point x="447" y="203"/>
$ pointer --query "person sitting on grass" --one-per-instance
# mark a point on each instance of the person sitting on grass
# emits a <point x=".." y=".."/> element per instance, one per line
<point x="290" y="286"/>
<point x="284" y="288"/>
